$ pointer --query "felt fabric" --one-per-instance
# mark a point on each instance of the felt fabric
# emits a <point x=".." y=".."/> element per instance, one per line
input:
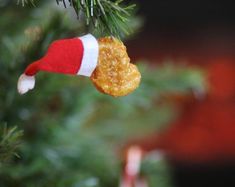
<point x="77" y="56"/>
<point x="63" y="56"/>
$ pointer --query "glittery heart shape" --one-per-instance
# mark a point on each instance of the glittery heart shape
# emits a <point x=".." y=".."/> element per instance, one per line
<point x="114" y="74"/>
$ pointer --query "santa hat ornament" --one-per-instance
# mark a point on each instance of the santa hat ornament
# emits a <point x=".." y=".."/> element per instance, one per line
<point x="77" y="56"/>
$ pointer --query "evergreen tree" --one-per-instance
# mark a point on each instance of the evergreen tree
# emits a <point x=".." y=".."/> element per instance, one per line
<point x="72" y="133"/>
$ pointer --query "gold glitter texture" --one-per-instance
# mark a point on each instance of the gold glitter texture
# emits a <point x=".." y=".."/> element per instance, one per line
<point x="114" y="74"/>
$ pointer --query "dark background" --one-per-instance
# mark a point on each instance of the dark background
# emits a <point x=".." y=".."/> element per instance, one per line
<point x="200" y="32"/>
<point x="196" y="31"/>
<point x="184" y="14"/>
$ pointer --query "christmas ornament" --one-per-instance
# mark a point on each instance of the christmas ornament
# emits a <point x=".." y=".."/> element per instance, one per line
<point x="105" y="61"/>
<point x="114" y="75"/>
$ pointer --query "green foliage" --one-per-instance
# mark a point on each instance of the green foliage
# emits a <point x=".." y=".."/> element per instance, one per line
<point x="24" y="2"/>
<point x="156" y="170"/>
<point x="73" y="133"/>
<point x="111" y="18"/>
<point x="104" y="17"/>
<point x="9" y="143"/>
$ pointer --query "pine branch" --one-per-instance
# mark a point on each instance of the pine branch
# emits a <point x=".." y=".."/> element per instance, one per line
<point x="105" y="17"/>
<point x="9" y="142"/>
<point x="24" y="2"/>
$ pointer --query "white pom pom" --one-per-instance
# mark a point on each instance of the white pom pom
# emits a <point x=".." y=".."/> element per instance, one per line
<point x="25" y="83"/>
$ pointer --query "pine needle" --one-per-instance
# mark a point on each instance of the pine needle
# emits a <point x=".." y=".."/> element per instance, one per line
<point x="9" y="142"/>
<point x="106" y="17"/>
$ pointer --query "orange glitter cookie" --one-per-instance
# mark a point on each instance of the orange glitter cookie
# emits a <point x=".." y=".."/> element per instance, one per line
<point x="114" y="74"/>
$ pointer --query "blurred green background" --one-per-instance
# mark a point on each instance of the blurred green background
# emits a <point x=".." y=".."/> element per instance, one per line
<point x="69" y="134"/>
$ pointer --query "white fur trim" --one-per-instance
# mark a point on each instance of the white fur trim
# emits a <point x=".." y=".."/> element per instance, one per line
<point x="90" y="55"/>
<point x="25" y="83"/>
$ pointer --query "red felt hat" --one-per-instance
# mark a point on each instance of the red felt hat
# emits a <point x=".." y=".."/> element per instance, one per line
<point x="77" y="56"/>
